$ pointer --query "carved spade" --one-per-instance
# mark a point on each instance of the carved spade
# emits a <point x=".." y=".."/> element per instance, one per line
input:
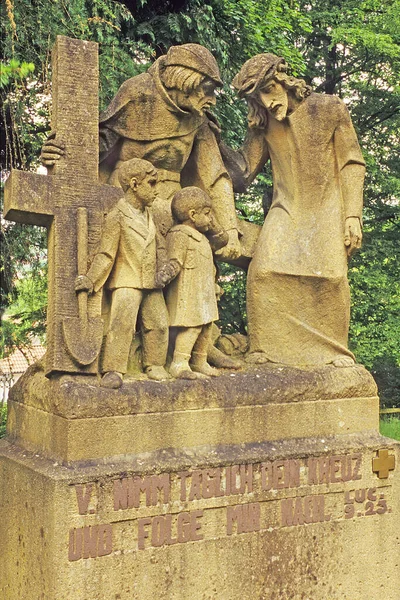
<point x="83" y="335"/>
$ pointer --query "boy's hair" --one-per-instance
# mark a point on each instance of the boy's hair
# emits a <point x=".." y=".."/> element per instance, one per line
<point x="189" y="198"/>
<point x="136" y="167"/>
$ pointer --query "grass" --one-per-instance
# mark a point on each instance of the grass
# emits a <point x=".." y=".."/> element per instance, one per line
<point x="3" y="419"/>
<point x="390" y="427"/>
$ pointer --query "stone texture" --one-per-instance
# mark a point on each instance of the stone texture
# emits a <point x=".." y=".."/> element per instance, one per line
<point x="245" y="543"/>
<point x="71" y="420"/>
<point x="53" y="201"/>
<point x="298" y="299"/>
<point x="268" y="483"/>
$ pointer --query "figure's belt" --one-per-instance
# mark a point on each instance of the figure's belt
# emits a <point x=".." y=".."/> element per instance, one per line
<point x="164" y="175"/>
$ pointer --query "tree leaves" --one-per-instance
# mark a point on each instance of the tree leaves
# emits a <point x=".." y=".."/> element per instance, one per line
<point x="350" y="48"/>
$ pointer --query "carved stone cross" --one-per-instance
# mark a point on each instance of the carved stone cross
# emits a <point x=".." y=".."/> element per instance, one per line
<point x="383" y="463"/>
<point x="71" y="203"/>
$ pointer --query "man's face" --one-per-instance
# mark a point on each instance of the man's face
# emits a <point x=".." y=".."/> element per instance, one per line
<point x="146" y="189"/>
<point x="202" y="219"/>
<point x="275" y="99"/>
<point x="202" y="97"/>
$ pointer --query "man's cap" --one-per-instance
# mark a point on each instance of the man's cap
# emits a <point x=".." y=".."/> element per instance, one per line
<point x="196" y="57"/>
<point x="256" y="71"/>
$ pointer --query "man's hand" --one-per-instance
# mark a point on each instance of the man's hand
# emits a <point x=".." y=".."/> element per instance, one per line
<point x="83" y="284"/>
<point x="52" y="150"/>
<point x="352" y="235"/>
<point x="232" y="249"/>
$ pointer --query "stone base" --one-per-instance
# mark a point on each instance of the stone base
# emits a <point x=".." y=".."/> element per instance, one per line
<point x="181" y="490"/>
<point x="73" y="419"/>
<point x="303" y="519"/>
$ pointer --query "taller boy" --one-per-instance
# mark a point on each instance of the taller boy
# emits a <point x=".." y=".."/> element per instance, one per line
<point x="126" y="264"/>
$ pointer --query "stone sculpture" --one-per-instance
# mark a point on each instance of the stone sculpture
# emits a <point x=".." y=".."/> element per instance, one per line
<point x="191" y="295"/>
<point x="279" y="472"/>
<point x="314" y="223"/>
<point x="70" y="202"/>
<point x="298" y="299"/>
<point x="126" y="264"/>
<point x="162" y="116"/>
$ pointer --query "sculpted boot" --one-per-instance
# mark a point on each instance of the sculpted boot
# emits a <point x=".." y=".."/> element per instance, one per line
<point x="111" y="380"/>
<point x="156" y="372"/>
<point x="199" y="364"/>
<point x="180" y="367"/>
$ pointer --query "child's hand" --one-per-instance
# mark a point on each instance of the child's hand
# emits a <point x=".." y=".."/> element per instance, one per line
<point x="167" y="273"/>
<point x="83" y="284"/>
<point x="232" y="249"/>
<point x="162" y="277"/>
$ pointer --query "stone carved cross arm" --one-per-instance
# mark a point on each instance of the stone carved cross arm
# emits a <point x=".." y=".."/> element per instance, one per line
<point x="54" y="201"/>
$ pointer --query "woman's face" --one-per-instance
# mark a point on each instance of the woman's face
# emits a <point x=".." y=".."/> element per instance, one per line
<point x="275" y="99"/>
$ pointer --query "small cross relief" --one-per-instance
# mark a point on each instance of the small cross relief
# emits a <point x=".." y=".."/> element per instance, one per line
<point x="383" y="463"/>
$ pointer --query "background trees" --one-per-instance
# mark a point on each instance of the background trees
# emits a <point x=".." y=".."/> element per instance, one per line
<point x="350" y="48"/>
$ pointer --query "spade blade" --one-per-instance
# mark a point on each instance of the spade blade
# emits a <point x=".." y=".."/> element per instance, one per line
<point x="83" y="340"/>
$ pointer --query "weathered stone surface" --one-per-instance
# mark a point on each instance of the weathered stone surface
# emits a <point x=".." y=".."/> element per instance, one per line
<point x="80" y="397"/>
<point x="294" y="519"/>
<point x="298" y="300"/>
<point x="268" y="483"/>
<point x="125" y="268"/>
<point x="60" y="417"/>
<point x="53" y="201"/>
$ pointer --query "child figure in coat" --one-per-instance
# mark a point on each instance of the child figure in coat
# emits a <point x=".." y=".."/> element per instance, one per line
<point x="191" y="293"/>
<point x="126" y="265"/>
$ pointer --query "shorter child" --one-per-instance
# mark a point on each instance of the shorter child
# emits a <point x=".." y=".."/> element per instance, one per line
<point x="191" y="295"/>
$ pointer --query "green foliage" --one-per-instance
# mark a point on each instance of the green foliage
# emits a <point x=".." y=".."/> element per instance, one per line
<point x="347" y="48"/>
<point x="375" y="283"/>
<point x="390" y="427"/>
<point x="3" y="419"/>
<point x="14" y="69"/>
<point x="375" y="277"/>
<point x="23" y="256"/>
<point x="232" y="305"/>
<point x="26" y="316"/>
<point x="29" y="30"/>
<point x="24" y="286"/>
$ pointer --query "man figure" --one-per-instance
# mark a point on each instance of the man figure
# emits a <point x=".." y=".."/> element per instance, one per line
<point x="161" y="116"/>
<point x="126" y="264"/>
<point x="298" y="299"/>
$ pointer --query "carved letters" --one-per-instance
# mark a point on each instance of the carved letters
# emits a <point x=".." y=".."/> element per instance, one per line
<point x="334" y="469"/>
<point x="170" y="529"/>
<point x="90" y="541"/>
<point x="252" y="497"/>
<point x="299" y="511"/>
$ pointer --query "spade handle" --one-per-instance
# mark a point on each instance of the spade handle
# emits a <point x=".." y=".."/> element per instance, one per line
<point x="82" y="239"/>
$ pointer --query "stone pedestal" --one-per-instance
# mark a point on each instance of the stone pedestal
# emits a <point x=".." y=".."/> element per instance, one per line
<point x="269" y="484"/>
